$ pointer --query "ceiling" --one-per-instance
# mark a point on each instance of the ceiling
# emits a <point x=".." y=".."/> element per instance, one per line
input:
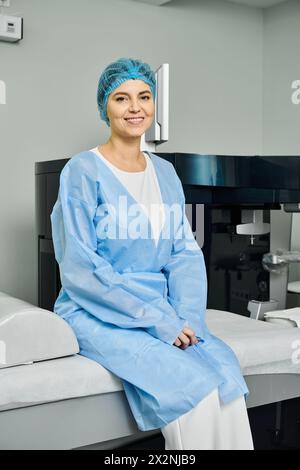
<point x="258" y="3"/>
<point x="252" y="3"/>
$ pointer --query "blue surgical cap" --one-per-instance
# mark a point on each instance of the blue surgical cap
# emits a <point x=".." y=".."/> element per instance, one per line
<point x="118" y="72"/>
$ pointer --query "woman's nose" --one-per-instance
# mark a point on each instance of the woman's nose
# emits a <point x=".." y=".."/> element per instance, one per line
<point x="134" y="106"/>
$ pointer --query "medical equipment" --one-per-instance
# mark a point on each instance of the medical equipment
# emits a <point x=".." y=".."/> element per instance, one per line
<point x="252" y="224"/>
<point x="11" y="28"/>
<point x="231" y="187"/>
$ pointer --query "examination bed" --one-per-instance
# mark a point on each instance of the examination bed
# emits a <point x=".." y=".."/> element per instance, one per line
<point x="73" y="402"/>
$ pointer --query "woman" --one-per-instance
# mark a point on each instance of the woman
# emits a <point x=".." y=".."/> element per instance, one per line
<point x="134" y="280"/>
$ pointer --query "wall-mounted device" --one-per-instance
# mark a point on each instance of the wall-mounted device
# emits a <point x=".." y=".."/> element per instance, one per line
<point x="11" y="28"/>
<point x="159" y="130"/>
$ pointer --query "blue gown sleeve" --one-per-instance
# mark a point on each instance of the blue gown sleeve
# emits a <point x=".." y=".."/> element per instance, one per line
<point x="87" y="277"/>
<point x="186" y="274"/>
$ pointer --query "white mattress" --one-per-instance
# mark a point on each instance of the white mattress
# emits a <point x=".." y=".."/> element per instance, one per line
<point x="261" y="347"/>
<point x="57" y="379"/>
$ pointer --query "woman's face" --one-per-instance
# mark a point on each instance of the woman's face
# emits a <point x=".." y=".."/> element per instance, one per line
<point x="132" y="98"/>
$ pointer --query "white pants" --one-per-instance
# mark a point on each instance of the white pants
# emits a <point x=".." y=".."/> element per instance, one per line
<point x="211" y="426"/>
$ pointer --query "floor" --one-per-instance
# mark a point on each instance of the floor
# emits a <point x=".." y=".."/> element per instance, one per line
<point x="274" y="427"/>
<point x="156" y="443"/>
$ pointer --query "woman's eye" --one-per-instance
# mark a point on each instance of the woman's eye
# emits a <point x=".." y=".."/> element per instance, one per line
<point x="122" y="98"/>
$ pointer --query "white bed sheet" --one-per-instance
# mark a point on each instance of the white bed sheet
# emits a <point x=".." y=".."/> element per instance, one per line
<point x="261" y="347"/>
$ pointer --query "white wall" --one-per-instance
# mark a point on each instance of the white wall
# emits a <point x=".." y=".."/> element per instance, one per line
<point x="214" y="49"/>
<point x="281" y="118"/>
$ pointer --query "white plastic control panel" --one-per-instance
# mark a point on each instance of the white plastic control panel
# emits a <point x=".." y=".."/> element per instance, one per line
<point x="11" y="28"/>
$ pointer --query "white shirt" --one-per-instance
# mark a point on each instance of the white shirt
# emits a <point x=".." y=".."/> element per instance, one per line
<point x="144" y="188"/>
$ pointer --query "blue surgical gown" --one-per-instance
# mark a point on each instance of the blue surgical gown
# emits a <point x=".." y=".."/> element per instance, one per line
<point x="127" y="299"/>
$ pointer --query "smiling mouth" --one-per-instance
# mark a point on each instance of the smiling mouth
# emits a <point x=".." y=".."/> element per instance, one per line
<point x="134" y="120"/>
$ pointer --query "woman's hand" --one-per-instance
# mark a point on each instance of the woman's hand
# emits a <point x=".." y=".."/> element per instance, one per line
<point x="186" y="338"/>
